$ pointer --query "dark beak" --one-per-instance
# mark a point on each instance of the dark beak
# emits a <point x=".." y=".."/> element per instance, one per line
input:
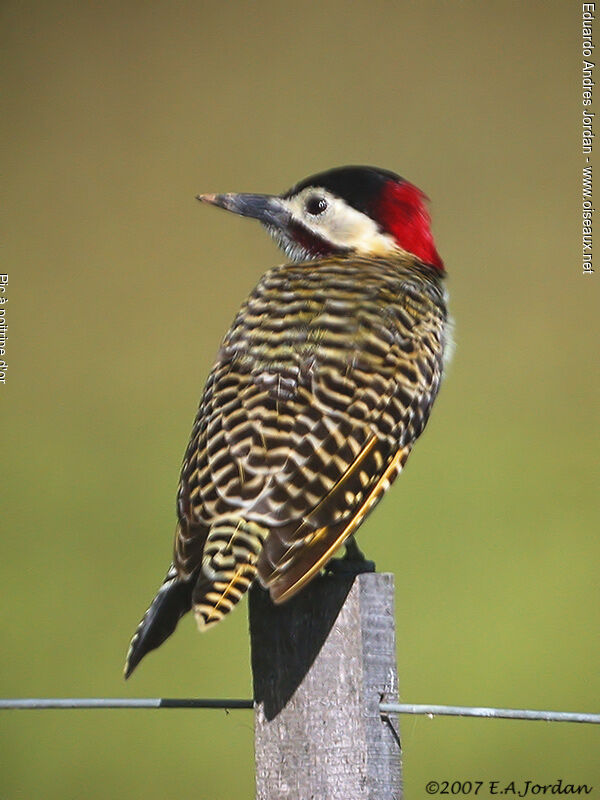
<point x="268" y="209"/>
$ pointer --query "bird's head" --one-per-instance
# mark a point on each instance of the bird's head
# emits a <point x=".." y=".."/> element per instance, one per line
<point x="362" y="210"/>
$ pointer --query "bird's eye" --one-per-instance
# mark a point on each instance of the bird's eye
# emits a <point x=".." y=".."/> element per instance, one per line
<point x="315" y="205"/>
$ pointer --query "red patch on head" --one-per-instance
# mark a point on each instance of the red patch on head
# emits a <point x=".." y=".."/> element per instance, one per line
<point x="401" y="211"/>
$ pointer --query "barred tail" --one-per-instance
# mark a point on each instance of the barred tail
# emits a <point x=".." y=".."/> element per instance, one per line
<point x="172" y="601"/>
<point x="228" y="569"/>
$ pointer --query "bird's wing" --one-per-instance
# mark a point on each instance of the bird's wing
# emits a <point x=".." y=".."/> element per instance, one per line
<point x="344" y="474"/>
<point x="300" y="556"/>
<point x="367" y="416"/>
<point x="303" y="427"/>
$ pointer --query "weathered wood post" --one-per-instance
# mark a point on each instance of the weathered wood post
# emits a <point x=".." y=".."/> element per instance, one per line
<point x="322" y="663"/>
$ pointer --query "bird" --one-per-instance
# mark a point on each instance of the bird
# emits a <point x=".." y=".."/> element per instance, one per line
<point x="321" y="386"/>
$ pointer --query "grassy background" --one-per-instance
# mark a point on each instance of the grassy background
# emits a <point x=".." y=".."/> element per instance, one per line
<point x="121" y="286"/>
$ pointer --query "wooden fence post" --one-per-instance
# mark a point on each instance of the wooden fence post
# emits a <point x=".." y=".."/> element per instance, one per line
<point x="321" y="665"/>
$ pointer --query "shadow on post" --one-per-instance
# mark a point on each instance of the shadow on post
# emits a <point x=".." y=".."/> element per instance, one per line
<point x="286" y="639"/>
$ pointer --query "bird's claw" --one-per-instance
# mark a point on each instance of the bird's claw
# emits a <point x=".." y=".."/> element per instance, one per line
<point x="347" y="566"/>
<point x="352" y="563"/>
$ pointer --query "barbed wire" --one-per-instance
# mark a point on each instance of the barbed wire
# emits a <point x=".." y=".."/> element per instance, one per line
<point x="41" y="703"/>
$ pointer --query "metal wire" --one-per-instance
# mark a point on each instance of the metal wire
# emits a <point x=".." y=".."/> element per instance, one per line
<point x="497" y="713"/>
<point x="33" y="703"/>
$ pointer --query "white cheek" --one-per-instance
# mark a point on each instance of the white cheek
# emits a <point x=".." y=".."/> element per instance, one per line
<point x="351" y="228"/>
<point x="344" y="227"/>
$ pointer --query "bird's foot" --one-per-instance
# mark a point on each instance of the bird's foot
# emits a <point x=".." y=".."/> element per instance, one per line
<point x="352" y="563"/>
<point x="345" y="566"/>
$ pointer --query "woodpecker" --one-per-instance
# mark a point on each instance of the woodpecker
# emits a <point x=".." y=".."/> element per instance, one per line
<point x="320" y="389"/>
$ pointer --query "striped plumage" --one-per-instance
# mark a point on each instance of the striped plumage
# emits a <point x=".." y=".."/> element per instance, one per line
<point x="320" y="389"/>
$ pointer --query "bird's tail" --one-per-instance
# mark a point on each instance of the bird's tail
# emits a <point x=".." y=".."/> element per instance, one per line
<point x="228" y="569"/>
<point x="172" y="601"/>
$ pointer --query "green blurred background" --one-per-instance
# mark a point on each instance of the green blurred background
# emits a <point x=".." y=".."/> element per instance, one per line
<point x="121" y="286"/>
